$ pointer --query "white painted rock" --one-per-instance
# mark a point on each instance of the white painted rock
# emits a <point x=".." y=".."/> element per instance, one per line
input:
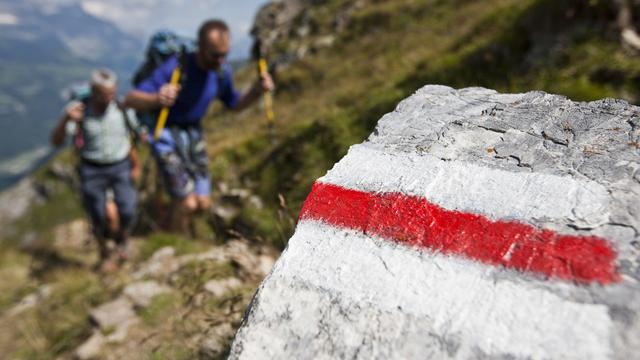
<point x="471" y="224"/>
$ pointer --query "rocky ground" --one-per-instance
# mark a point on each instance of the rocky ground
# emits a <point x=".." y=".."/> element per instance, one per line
<point x="181" y="301"/>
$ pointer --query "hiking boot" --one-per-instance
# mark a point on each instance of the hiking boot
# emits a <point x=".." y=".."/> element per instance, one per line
<point x="122" y="254"/>
<point x="108" y="266"/>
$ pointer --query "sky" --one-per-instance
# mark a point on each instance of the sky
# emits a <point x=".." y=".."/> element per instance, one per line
<point x="143" y="17"/>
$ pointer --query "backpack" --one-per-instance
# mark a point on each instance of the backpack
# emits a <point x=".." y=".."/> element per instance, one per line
<point x="162" y="45"/>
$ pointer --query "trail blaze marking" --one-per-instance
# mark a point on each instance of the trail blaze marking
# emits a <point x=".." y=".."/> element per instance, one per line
<point x="416" y="222"/>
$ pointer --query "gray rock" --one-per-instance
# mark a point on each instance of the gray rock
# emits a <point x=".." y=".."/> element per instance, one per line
<point x="15" y="201"/>
<point x="215" y="342"/>
<point x="30" y="301"/>
<point x="109" y="316"/>
<point x="91" y="348"/>
<point x="161" y="264"/>
<point x="141" y="293"/>
<point x="286" y="30"/>
<point x="535" y="160"/>
<point x="219" y="287"/>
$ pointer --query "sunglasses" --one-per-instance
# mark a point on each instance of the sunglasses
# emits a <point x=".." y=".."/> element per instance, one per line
<point x="216" y="54"/>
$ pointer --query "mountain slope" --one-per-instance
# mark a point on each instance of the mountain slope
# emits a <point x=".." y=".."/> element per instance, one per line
<point x="40" y="54"/>
<point x="361" y="57"/>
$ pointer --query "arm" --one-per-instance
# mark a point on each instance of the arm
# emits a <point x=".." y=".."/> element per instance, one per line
<point x="155" y="91"/>
<point x="142" y="101"/>
<point x="136" y="164"/>
<point x="249" y="97"/>
<point x="263" y="84"/>
<point x="74" y="112"/>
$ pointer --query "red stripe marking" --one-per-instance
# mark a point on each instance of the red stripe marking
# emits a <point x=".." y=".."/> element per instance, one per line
<point x="414" y="221"/>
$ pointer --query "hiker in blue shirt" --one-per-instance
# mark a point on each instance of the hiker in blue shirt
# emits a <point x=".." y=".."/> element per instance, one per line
<point x="102" y="131"/>
<point x="180" y="149"/>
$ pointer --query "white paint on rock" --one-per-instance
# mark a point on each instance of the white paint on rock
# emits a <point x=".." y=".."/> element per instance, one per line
<point x="463" y="186"/>
<point x="458" y="302"/>
<point x="342" y="294"/>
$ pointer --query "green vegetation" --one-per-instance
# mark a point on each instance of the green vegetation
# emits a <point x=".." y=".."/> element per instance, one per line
<point x="156" y="241"/>
<point x="160" y="309"/>
<point x="389" y="49"/>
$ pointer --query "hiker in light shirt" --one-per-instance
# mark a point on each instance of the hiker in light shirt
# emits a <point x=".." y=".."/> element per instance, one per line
<point x="102" y="131"/>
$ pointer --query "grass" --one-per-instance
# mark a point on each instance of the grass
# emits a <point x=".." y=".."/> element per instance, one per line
<point x="180" y="243"/>
<point x="192" y="277"/>
<point x="333" y="99"/>
<point x="161" y="308"/>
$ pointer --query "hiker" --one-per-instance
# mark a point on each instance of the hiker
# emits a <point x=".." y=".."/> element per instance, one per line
<point x="180" y="147"/>
<point x="108" y="163"/>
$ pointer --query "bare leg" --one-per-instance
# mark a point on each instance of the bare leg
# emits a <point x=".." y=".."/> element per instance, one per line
<point x="186" y="208"/>
<point x="112" y="217"/>
<point x="204" y="203"/>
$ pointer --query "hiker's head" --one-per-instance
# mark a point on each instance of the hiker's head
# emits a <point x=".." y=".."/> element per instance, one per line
<point x="104" y="85"/>
<point x="214" y="41"/>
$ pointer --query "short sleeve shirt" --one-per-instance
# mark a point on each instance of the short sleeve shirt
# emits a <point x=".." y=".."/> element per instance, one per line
<point x="198" y="90"/>
<point x="106" y="137"/>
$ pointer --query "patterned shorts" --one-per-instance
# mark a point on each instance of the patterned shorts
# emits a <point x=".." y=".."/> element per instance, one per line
<point x="182" y="159"/>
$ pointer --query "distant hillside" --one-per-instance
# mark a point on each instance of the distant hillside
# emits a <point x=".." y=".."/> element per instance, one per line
<point x="343" y="64"/>
<point x="41" y="51"/>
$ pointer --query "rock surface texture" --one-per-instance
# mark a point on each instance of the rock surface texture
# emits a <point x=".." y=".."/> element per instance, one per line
<point x="471" y="224"/>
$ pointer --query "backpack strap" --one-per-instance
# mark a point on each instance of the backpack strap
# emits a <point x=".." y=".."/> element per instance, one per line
<point x="183" y="56"/>
<point x="127" y="120"/>
<point x="78" y="137"/>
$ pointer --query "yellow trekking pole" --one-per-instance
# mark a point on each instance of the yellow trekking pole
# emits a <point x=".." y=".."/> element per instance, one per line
<point x="164" y="113"/>
<point x="268" y="99"/>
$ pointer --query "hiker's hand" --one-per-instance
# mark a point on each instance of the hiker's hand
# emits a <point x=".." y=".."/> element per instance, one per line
<point x="168" y="94"/>
<point x="144" y="136"/>
<point x="136" y="172"/>
<point x="75" y="112"/>
<point x="266" y="82"/>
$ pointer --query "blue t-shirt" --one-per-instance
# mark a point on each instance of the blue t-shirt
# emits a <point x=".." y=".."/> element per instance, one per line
<point x="200" y="88"/>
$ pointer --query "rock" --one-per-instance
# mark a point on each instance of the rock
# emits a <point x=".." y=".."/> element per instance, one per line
<point x="15" y="201"/>
<point x="215" y="254"/>
<point x="256" y="202"/>
<point x="265" y="264"/>
<point x="91" y="348"/>
<point x="471" y="224"/>
<point x="240" y="193"/>
<point x="109" y="316"/>
<point x="161" y="264"/>
<point x="72" y="235"/>
<point x="227" y="213"/>
<point x="215" y="342"/>
<point x="219" y="287"/>
<point x="30" y="301"/>
<point x="211" y="348"/>
<point x="161" y="254"/>
<point x="121" y="331"/>
<point x="325" y="41"/>
<point x="288" y="30"/>
<point x="141" y="293"/>
<point x="251" y="263"/>
<point x="114" y="319"/>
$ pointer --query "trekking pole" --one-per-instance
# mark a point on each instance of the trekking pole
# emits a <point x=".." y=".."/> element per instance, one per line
<point x="268" y="100"/>
<point x="164" y="113"/>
